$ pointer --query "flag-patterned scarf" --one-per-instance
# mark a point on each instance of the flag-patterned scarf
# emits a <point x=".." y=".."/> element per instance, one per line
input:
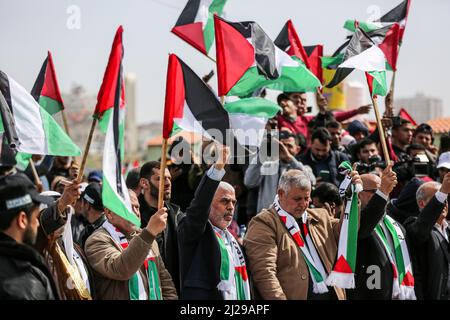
<point x="343" y="274"/>
<point x="234" y="282"/>
<point x="403" y="287"/>
<point x="308" y="249"/>
<point x="135" y="284"/>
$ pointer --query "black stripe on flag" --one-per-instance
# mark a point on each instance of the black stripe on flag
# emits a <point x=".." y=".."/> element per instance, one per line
<point x="6" y="112"/>
<point x="189" y="13"/>
<point x="282" y="41"/>
<point x="397" y="14"/>
<point x="39" y="84"/>
<point x="116" y="130"/>
<point x="7" y="155"/>
<point x="203" y="103"/>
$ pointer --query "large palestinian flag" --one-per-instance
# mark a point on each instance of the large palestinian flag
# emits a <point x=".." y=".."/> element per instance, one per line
<point x="27" y="126"/>
<point x="192" y="106"/>
<point x="46" y="88"/>
<point x="196" y="23"/>
<point x="397" y="15"/>
<point x="247" y="59"/>
<point x="289" y="41"/>
<point x="362" y="54"/>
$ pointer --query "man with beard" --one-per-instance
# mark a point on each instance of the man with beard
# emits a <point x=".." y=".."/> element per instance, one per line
<point x="323" y="161"/>
<point x="24" y="275"/>
<point x="212" y="263"/>
<point x="148" y="200"/>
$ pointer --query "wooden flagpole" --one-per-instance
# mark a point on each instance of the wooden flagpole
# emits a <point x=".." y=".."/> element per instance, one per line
<point x="162" y="172"/>
<point x="86" y="150"/>
<point x="381" y="131"/>
<point x="37" y="180"/>
<point x="66" y="126"/>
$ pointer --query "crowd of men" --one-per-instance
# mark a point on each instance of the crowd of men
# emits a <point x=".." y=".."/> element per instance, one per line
<point x="267" y="229"/>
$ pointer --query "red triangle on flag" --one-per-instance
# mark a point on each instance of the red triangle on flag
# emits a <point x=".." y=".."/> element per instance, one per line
<point x="342" y="266"/>
<point x="408" y="280"/>
<point x="50" y="88"/>
<point x="405" y="115"/>
<point x="296" y="48"/>
<point x="283" y="218"/>
<point x="106" y="95"/>
<point x="394" y="268"/>
<point x="193" y="34"/>
<point x="234" y="54"/>
<point x="390" y="45"/>
<point x="298" y="239"/>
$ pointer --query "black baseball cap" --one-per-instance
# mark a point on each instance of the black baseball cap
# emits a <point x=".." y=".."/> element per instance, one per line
<point x="93" y="195"/>
<point x="17" y="191"/>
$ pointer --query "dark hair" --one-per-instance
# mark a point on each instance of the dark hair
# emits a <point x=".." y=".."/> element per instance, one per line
<point x="322" y="135"/>
<point x="327" y="192"/>
<point x="415" y="146"/>
<point x="399" y="123"/>
<point x="282" y="97"/>
<point x="7" y="217"/>
<point x="286" y="135"/>
<point x="445" y="143"/>
<point x="147" y="169"/>
<point x="357" y="148"/>
<point x="333" y="125"/>
<point x="132" y="180"/>
<point x="424" y="128"/>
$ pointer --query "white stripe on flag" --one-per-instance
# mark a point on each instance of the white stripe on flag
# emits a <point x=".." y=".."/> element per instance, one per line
<point x="27" y="117"/>
<point x="190" y="123"/>
<point x="203" y="12"/>
<point x="372" y="59"/>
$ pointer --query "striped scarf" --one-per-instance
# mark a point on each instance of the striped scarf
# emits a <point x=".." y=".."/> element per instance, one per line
<point x="135" y="284"/>
<point x="343" y="274"/>
<point x="234" y="282"/>
<point x="403" y="286"/>
<point x="312" y="259"/>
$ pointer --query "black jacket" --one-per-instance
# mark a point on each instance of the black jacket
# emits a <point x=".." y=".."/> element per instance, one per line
<point x="24" y="275"/>
<point x="167" y="240"/>
<point x="199" y="250"/>
<point x="334" y="160"/>
<point x="372" y="254"/>
<point x="430" y="253"/>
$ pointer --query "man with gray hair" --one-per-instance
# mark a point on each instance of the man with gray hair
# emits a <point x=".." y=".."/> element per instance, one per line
<point x="429" y="235"/>
<point x="288" y="240"/>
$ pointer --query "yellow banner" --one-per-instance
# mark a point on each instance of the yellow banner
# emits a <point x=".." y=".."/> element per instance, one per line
<point x="336" y="95"/>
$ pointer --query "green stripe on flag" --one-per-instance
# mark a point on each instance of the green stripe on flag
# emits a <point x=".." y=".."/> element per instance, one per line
<point x="104" y="121"/>
<point x="379" y="83"/>
<point x="112" y="201"/>
<point x="352" y="238"/>
<point x="58" y="142"/>
<point x="208" y="31"/>
<point x="332" y="61"/>
<point x="23" y="160"/>
<point x="292" y="79"/>
<point x="256" y="107"/>
<point x="50" y="105"/>
<point x="397" y="251"/>
<point x="365" y="26"/>
<point x="133" y="287"/>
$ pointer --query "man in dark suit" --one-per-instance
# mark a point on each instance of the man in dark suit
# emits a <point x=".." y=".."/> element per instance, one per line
<point x="374" y="273"/>
<point x="429" y="235"/>
<point x="201" y="250"/>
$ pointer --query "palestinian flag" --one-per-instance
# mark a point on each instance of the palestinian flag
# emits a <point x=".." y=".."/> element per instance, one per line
<point x="112" y="87"/>
<point x="397" y="15"/>
<point x="192" y="106"/>
<point x="405" y="115"/>
<point x="46" y="90"/>
<point x="289" y="41"/>
<point x="28" y="127"/>
<point x="196" y="23"/>
<point x="362" y="54"/>
<point x="247" y="59"/>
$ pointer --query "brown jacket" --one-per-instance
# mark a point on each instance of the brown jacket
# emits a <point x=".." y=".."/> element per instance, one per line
<point x="276" y="264"/>
<point x="113" y="266"/>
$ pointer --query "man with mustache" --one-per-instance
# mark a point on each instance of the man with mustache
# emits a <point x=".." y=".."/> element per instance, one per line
<point x="148" y="200"/>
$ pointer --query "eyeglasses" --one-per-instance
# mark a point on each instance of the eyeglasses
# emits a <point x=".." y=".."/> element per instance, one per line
<point x="370" y="190"/>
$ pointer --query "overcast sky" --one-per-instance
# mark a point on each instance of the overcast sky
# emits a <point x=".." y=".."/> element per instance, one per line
<point x="28" y="28"/>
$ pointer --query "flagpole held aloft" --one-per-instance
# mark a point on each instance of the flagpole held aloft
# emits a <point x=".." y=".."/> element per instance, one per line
<point x="37" y="180"/>
<point x="66" y="126"/>
<point x="381" y="131"/>
<point x="86" y="150"/>
<point x="162" y="172"/>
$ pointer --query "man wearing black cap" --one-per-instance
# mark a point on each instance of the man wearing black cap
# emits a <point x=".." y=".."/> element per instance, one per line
<point x="24" y="274"/>
<point x="92" y="208"/>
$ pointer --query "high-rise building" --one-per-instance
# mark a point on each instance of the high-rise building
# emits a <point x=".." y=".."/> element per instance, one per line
<point x="421" y="107"/>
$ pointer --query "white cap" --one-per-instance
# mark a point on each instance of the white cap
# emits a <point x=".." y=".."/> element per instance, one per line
<point x="444" y="161"/>
<point x="83" y="186"/>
